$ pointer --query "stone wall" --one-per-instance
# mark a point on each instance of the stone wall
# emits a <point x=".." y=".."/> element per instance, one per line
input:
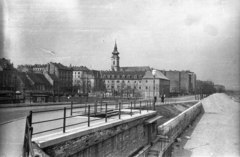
<point x="121" y="140"/>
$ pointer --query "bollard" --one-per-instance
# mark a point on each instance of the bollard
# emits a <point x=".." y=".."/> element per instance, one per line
<point x="88" y="115"/>
<point x="64" y="119"/>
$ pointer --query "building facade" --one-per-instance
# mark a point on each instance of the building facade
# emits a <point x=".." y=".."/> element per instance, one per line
<point x="135" y="83"/>
<point x="64" y="75"/>
<point x="181" y="82"/>
<point x="86" y="80"/>
<point x="7" y="76"/>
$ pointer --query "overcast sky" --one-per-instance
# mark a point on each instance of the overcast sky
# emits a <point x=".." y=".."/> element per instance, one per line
<point x="202" y="36"/>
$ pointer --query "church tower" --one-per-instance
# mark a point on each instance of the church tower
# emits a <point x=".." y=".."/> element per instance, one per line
<point x="115" y="59"/>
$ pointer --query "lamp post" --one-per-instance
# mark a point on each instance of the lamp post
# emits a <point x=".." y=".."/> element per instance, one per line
<point x="154" y="99"/>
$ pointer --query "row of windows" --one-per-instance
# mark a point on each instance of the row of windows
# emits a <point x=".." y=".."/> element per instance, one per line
<point x="124" y="81"/>
<point x="122" y="76"/>
<point x="139" y="87"/>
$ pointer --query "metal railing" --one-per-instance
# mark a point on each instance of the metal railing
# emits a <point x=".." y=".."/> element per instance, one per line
<point x="27" y="145"/>
<point x="101" y="110"/>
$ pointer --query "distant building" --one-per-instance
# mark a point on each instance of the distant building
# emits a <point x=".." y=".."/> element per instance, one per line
<point x="7" y="76"/>
<point x="37" y="68"/>
<point x="86" y="80"/>
<point x="135" y="68"/>
<point x="135" y="83"/>
<point x="34" y="86"/>
<point x="181" y="82"/>
<point x="64" y="75"/>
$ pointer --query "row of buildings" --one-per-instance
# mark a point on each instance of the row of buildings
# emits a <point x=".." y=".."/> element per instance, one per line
<point x="58" y="79"/>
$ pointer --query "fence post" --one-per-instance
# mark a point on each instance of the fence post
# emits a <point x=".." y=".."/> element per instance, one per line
<point x="64" y="119"/>
<point x="71" y="107"/>
<point x="88" y="115"/>
<point x="140" y="108"/>
<point x="119" y="110"/>
<point x="30" y="118"/>
<point x="147" y="106"/>
<point x="131" y="108"/>
<point x="106" y="113"/>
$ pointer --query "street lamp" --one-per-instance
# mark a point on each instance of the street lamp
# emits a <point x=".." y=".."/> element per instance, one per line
<point x="154" y="99"/>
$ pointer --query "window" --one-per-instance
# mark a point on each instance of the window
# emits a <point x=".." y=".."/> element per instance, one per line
<point x="139" y="87"/>
<point x="118" y="76"/>
<point x="128" y="81"/>
<point x="112" y="76"/>
<point x="146" y="87"/>
<point x="117" y="81"/>
<point x="112" y="81"/>
<point x="113" y="62"/>
<point x="122" y="81"/>
<point x="139" y="81"/>
<point x="135" y="81"/>
<point x="146" y="81"/>
<point x="123" y="76"/>
<point x="135" y="76"/>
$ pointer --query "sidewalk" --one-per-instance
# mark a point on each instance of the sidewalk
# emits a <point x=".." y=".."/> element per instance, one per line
<point x="11" y="138"/>
<point x="215" y="133"/>
<point x="33" y="104"/>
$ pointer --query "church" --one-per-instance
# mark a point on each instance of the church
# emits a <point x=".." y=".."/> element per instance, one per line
<point x="137" y="81"/>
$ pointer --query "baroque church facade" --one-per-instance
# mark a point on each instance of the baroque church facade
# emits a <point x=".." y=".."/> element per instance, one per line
<point x="135" y="81"/>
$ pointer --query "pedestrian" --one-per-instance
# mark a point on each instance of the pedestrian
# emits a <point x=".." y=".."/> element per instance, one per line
<point x="162" y="98"/>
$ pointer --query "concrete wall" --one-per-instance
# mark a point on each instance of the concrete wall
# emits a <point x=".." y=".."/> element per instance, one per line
<point x="120" y="140"/>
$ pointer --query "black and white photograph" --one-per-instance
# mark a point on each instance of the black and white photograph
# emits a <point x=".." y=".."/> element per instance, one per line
<point x="119" y="78"/>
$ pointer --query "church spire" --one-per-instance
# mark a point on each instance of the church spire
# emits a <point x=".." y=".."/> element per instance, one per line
<point x="115" y="51"/>
<point x="115" y="47"/>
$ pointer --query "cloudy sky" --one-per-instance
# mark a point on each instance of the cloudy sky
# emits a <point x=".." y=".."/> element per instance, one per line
<point x="202" y="36"/>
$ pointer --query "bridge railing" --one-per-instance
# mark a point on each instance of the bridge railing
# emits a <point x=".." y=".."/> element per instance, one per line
<point x="27" y="145"/>
<point x="101" y="110"/>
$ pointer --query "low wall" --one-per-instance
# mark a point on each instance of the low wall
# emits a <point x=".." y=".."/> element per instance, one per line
<point x="174" y="127"/>
<point x="123" y="139"/>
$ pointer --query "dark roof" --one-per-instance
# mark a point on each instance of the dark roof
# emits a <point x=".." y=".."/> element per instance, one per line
<point x="158" y="75"/>
<point x="79" y="68"/>
<point x="23" y="77"/>
<point x="34" y="78"/>
<point x="43" y="79"/>
<point x="60" y="66"/>
<point x="135" y="68"/>
<point x="132" y="75"/>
